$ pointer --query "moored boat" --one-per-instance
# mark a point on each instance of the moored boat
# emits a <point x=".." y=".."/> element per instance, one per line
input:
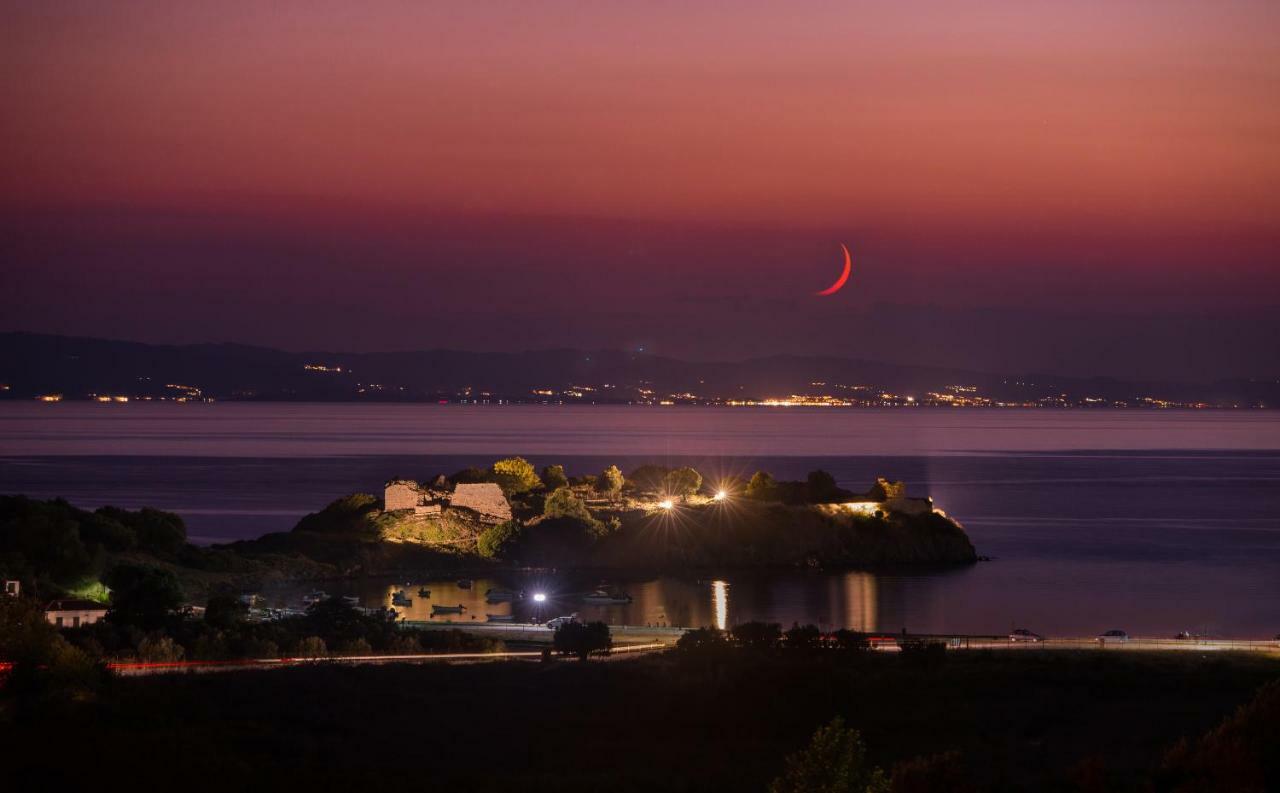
<point x="399" y="598"/>
<point x="502" y="596"/>
<point x="424" y="593"/>
<point x="605" y="597"/>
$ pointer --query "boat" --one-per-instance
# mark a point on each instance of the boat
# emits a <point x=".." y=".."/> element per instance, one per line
<point x="464" y="583"/>
<point x="424" y="593"/>
<point x="351" y="600"/>
<point x="314" y="596"/>
<point x="500" y="617"/>
<point x="604" y="597"/>
<point x="502" y="596"/>
<point x="438" y="609"/>
<point x="399" y="598"/>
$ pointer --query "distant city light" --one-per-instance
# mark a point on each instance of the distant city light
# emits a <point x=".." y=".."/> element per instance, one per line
<point x="666" y="503"/>
<point x="721" y="495"/>
<point x="539" y="597"/>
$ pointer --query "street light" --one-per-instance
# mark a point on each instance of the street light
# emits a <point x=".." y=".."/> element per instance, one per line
<point x="539" y="597"/>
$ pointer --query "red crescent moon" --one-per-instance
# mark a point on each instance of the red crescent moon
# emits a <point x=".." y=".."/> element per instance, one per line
<point x="848" y="268"/>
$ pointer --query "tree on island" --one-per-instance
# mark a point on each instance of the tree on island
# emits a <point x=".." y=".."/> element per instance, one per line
<point x="682" y="482"/>
<point x="820" y="487"/>
<point x="582" y="639"/>
<point x="564" y="503"/>
<point x="516" y="475"/>
<point x="835" y="761"/>
<point x="553" y="477"/>
<point x="762" y="486"/>
<point x="610" y="482"/>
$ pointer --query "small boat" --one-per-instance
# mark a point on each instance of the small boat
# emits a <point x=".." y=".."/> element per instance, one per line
<point x="401" y="599"/>
<point x="500" y="617"/>
<point x="502" y="596"/>
<point x="438" y="609"/>
<point x="314" y="596"/>
<point x="424" y="593"/>
<point x="604" y="597"/>
<point x="464" y="583"/>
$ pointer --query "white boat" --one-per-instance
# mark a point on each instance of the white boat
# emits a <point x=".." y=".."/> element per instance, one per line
<point x="438" y="609"/>
<point x="604" y="597"/>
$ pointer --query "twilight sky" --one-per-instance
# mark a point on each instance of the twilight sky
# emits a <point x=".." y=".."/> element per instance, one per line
<point x="1085" y="187"/>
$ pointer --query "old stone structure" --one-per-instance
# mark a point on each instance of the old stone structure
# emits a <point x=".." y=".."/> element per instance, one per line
<point x="485" y="499"/>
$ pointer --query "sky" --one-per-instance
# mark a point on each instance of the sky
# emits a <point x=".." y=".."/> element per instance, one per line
<point x="1086" y="188"/>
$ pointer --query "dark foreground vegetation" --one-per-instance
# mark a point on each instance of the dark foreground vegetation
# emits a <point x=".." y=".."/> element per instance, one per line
<point x="746" y="713"/>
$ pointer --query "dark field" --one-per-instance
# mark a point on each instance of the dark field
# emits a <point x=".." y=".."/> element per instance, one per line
<point x="1021" y="721"/>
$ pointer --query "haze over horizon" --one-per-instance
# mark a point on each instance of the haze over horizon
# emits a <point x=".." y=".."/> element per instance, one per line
<point x="1089" y="189"/>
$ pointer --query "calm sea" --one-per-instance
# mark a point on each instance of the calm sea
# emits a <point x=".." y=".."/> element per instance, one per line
<point x="1154" y="522"/>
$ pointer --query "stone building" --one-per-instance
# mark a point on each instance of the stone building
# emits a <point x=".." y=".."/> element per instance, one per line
<point x="484" y="499"/>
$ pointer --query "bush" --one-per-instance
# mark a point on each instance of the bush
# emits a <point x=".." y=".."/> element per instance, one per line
<point x="757" y="635"/>
<point x="682" y="482"/>
<point x="515" y="475"/>
<point x="648" y="477"/>
<point x="159" y="649"/>
<point x="851" y="641"/>
<point x="576" y="638"/>
<point x="358" y="646"/>
<point x="311" y="647"/>
<point x="610" y="482"/>
<point x="225" y="611"/>
<point x="835" y="761"/>
<point x="703" y="641"/>
<point x="495" y="540"/>
<point x="553" y="477"/>
<point x="762" y="487"/>
<point x="563" y="503"/>
<point x="820" y="487"/>
<point x="923" y="652"/>
<point x="803" y="637"/>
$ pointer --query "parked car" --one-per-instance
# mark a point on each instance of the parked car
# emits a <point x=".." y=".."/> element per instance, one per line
<point x="558" y="621"/>
<point x="1115" y="635"/>
<point x="1024" y="635"/>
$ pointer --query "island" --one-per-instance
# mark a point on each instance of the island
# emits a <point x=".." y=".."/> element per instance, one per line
<point x="507" y="516"/>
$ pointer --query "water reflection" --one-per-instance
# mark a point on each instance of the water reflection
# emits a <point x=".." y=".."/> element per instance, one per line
<point x="858" y="601"/>
<point x="720" y="602"/>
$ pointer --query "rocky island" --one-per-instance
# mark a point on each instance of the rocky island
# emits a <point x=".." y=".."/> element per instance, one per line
<point x="506" y="516"/>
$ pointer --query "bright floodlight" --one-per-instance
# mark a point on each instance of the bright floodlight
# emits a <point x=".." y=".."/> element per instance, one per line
<point x="721" y="495"/>
<point x="539" y="597"/>
<point x="666" y="503"/>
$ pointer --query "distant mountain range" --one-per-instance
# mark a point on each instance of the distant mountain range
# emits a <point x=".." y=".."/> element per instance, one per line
<point x="35" y="365"/>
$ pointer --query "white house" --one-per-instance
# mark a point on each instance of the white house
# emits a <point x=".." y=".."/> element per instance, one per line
<point x="73" y="613"/>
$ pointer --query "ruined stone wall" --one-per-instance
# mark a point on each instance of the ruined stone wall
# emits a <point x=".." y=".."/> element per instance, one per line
<point x="401" y="494"/>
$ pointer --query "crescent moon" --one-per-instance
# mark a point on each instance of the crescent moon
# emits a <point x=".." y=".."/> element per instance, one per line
<point x="848" y="268"/>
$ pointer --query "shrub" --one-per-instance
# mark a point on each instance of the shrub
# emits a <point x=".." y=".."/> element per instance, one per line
<point x="553" y="477"/>
<point x="515" y="475"/>
<point x="820" y="486"/>
<point x="358" y="646"/>
<point x="803" y="637"/>
<point x="682" y="482"/>
<point x="835" y="761"/>
<point x="610" y="482"/>
<point x="159" y="649"/>
<point x="576" y="638"/>
<point x="563" y="503"/>
<point x="311" y="647"/>
<point x="648" y="477"/>
<point x="923" y="652"/>
<point x="762" y="487"/>
<point x="495" y="540"/>
<point x="757" y="635"/>
<point x="703" y="641"/>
